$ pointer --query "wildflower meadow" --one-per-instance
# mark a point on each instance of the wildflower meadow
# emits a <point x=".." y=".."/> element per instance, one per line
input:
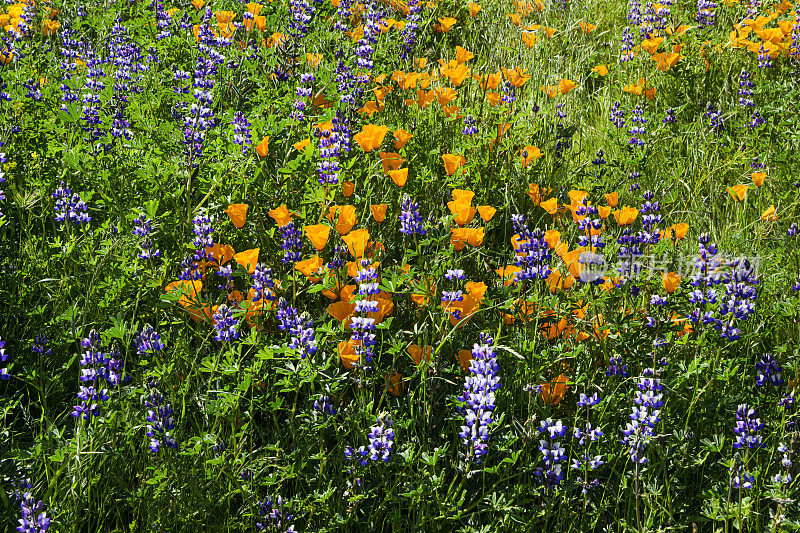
<point x="399" y="265"/>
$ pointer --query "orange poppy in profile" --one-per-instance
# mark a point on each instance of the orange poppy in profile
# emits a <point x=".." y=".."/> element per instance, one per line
<point x="508" y="274"/>
<point x="394" y="384"/>
<point x="474" y="9"/>
<point x="378" y="212"/>
<point x="318" y="235"/>
<point x="346" y="217"/>
<point x="281" y="215"/>
<point x="551" y="206"/>
<point x="463" y="55"/>
<point x="604" y="211"/>
<point x="565" y="85"/>
<point x="453" y="162"/>
<point x="675" y="232"/>
<point x="399" y="176"/>
<point x="486" y="212"/>
<point x="391" y="161"/>
<point x="401" y="137"/>
<point x="348" y="187"/>
<point x="445" y="23"/>
<point x="612" y="199"/>
<point x="587" y="27"/>
<point x="671" y="281"/>
<point x="770" y="215"/>
<point x="356" y="242"/>
<point x="552" y="237"/>
<point x="417" y="353"/>
<point x="189" y="291"/>
<point x="263" y="147"/>
<point x="347" y="353"/>
<point x="220" y="254"/>
<point x="464" y="359"/>
<point x="198" y="4"/>
<point x="738" y="192"/>
<point x="237" y="213"/>
<point x="758" y="178"/>
<point x="600" y="69"/>
<point x="248" y="259"/>
<point x="553" y="392"/>
<point x="371" y="137"/>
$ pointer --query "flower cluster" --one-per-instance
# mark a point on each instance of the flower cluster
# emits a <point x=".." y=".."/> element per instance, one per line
<point x="533" y="252"/>
<point x="479" y="388"/>
<point x="148" y="341"/>
<point x="410" y="219"/>
<point x="644" y="415"/>
<point x="33" y="516"/>
<point x="159" y="419"/>
<point x="225" y="324"/>
<point x="143" y="228"/>
<point x="69" y="206"/>
<point x="301" y="328"/>
<point x="275" y="518"/>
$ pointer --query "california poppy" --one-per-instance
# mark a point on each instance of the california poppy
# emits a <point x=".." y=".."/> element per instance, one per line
<point x="346" y="217"/>
<point x="263" y="147"/>
<point x="399" y="176"/>
<point x="553" y="392"/>
<point x="371" y="137"/>
<point x="378" y="212"/>
<point x="758" y="178"/>
<point x="626" y="216"/>
<point x="356" y="242"/>
<point x="453" y="162"/>
<point x="530" y="153"/>
<point x="486" y="212"/>
<point x="347" y="188"/>
<point x="347" y="353"/>
<point x="770" y="215"/>
<point x="248" y="259"/>
<point x="237" y="213"/>
<point x="473" y="9"/>
<point x="600" y="69"/>
<point x="417" y="353"/>
<point x="445" y="23"/>
<point x="394" y="384"/>
<point x="738" y="192"/>
<point x="671" y="281"/>
<point x="612" y="199"/>
<point x="401" y="138"/>
<point x="281" y="215"/>
<point x="318" y="235"/>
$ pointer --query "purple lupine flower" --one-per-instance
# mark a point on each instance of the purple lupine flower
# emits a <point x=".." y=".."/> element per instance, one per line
<point x="3" y="358"/>
<point x="743" y="479"/>
<point x="651" y="218"/>
<point x="203" y="230"/>
<point x="739" y="300"/>
<point x="745" y="90"/>
<point x="381" y="439"/>
<point x="225" y="323"/>
<point x="533" y="252"/>
<point x="599" y="158"/>
<point x="300" y="327"/>
<point x="617" y="115"/>
<point x="627" y="47"/>
<point x="747" y="427"/>
<point x="645" y="414"/>
<point x="275" y="517"/>
<point x="325" y="405"/>
<point x="159" y="419"/>
<point x="706" y="14"/>
<point x="34" y="517"/>
<point x="292" y="244"/>
<point x="409" y="30"/>
<point x="553" y="453"/>
<point x="669" y="117"/>
<point x="785" y="479"/>
<point x="638" y="127"/>
<point x="470" y="126"/>
<point x="69" y="206"/>
<point x="764" y="59"/>
<point x="362" y="326"/>
<point x="241" y="131"/>
<point x="163" y="21"/>
<point x="478" y="397"/>
<point x="795" y="49"/>
<point x="769" y="371"/>
<point x="410" y="219"/>
<point x="148" y="341"/>
<point x="143" y="227"/>
<point x="715" y="118"/>
<point x="616" y="367"/>
<point x="263" y="283"/>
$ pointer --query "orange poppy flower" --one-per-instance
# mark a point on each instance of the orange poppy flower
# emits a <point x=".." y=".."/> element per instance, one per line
<point x="394" y="384"/>
<point x="464" y="359"/>
<point x="612" y="199"/>
<point x="738" y="192"/>
<point x="348" y="187"/>
<point x="587" y="27"/>
<point x="626" y="216"/>
<point x="391" y="161"/>
<point x="770" y="215"/>
<point x="318" y="235"/>
<point x="356" y="242"/>
<point x="530" y="153"/>
<point x="263" y="147"/>
<point x="486" y="212"/>
<point x="600" y="69"/>
<point x="552" y="238"/>
<point x="473" y="9"/>
<point x="675" y="232"/>
<point x="445" y="23"/>
<point x="198" y="4"/>
<point x="347" y="353"/>
<point x="604" y="211"/>
<point x="508" y="274"/>
<point x="401" y="138"/>
<point x="248" y="259"/>
<point x="517" y="77"/>
<point x="371" y="137"/>
<point x="237" y="213"/>
<point x="378" y="212"/>
<point x="556" y="281"/>
<point x="463" y="55"/>
<point x="565" y="85"/>
<point x="758" y="178"/>
<point x="399" y="176"/>
<point x="220" y="254"/>
<point x="491" y="81"/>
<point x="536" y="193"/>
<point x="445" y="95"/>
<point x="281" y="215"/>
<point x="671" y="281"/>
<point x="553" y="392"/>
<point x="551" y="206"/>
<point x="347" y="217"/>
<point x="453" y="162"/>
<point x="417" y="354"/>
<point x="189" y="291"/>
